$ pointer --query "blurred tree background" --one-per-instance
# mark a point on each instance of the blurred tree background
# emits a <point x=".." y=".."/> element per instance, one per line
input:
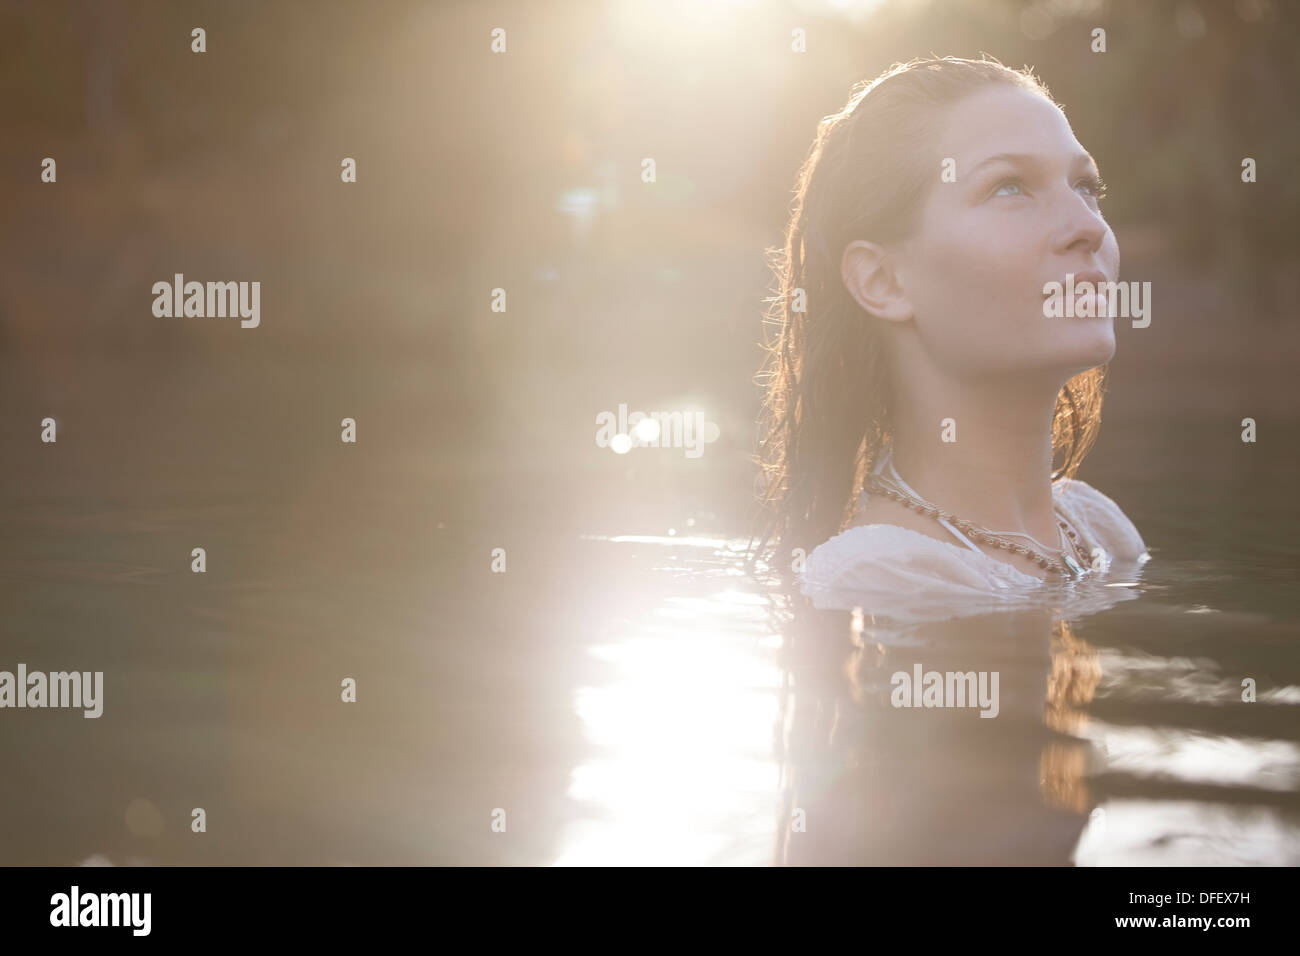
<point x="522" y="171"/>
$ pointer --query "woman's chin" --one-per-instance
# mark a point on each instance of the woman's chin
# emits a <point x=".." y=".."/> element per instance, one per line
<point x="1077" y="352"/>
<point x="1087" y="338"/>
<point x="1090" y="350"/>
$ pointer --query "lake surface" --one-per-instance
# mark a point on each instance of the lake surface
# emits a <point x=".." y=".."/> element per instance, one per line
<point x="621" y="693"/>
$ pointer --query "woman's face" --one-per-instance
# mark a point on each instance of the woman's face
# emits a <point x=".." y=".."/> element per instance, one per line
<point x="989" y="242"/>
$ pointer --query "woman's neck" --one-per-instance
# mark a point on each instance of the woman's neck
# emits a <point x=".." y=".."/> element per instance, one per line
<point x="997" y="473"/>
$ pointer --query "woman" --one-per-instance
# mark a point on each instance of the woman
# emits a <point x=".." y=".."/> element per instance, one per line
<point x="919" y="390"/>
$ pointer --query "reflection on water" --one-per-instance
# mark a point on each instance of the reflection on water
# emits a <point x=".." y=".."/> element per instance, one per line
<point x="1104" y="751"/>
<point x="680" y="723"/>
<point x="655" y="706"/>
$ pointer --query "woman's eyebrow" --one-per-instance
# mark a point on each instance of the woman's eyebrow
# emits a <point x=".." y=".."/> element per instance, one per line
<point x="1033" y="159"/>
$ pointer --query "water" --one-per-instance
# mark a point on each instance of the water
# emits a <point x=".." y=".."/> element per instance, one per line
<point x="644" y="724"/>
<point x="620" y="694"/>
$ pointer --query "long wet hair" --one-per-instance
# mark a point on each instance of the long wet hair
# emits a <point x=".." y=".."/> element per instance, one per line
<point x="826" y="411"/>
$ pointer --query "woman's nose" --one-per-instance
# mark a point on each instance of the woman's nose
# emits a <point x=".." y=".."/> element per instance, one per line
<point x="1081" y="225"/>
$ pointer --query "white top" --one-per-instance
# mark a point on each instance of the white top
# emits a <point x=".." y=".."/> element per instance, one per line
<point x="909" y="576"/>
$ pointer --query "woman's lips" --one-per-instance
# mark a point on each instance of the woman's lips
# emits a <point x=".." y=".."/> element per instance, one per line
<point x="1099" y="302"/>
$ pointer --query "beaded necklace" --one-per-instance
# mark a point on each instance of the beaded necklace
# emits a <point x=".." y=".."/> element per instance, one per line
<point x="1068" y="561"/>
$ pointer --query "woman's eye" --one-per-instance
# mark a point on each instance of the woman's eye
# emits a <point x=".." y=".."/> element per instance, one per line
<point x="1096" y="187"/>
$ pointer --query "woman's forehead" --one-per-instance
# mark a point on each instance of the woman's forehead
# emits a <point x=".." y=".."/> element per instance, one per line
<point x="1005" y="119"/>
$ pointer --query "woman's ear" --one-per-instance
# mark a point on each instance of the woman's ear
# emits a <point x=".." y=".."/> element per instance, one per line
<point x="871" y="276"/>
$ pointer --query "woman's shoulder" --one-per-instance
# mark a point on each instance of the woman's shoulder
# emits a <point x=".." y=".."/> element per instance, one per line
<point x="1109" y="526"/>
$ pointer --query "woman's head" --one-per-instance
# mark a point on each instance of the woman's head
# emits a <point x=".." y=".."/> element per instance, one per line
<point x="964" y="289"/>
<point x="912" y="252"/>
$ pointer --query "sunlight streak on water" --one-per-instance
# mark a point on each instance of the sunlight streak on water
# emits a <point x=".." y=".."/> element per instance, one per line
<point x="682" y="769"/>
<point x="1141" y="832"/>
<point x="1167" y="753"/>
